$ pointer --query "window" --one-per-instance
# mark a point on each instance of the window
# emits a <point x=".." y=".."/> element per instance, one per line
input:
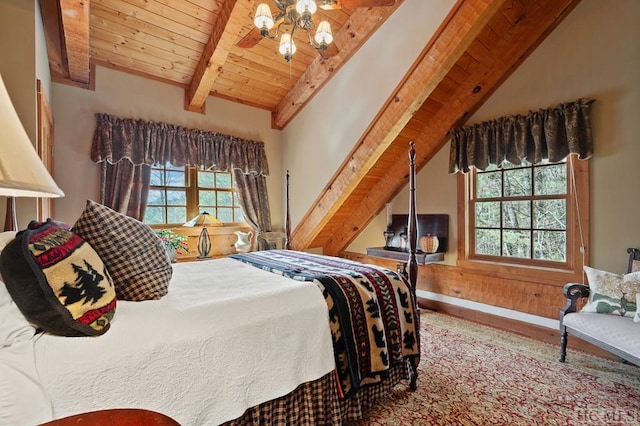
<point x="177" y="194"/>
<point x="526" y="214"/>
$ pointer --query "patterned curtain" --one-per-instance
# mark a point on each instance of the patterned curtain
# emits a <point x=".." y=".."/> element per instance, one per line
<point x="254" y="200"/>
<point x="124" y="187"/>
<point x="547" y="134"/>
<point x="122" y="143"/>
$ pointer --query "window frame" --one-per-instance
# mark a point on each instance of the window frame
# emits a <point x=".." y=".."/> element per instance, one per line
<point x="536" y="270"/>
<point x="192" y="189"/>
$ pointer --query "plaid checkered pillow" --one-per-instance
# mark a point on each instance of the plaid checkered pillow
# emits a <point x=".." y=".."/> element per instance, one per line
<point x="134" y="255"/>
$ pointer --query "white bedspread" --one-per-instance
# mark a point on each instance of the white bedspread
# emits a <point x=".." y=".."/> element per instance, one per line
<point x="228" y="336"/>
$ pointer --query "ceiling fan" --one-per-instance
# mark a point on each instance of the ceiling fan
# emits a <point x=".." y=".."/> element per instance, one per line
<point x="287" y="15"/>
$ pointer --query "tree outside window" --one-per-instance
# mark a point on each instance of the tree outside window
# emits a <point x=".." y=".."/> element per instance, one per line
<point x="520" y="213"/>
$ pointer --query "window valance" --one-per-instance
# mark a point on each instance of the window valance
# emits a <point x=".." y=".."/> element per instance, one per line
<point x="549" y="134"/>
<point x="148" y="142"/>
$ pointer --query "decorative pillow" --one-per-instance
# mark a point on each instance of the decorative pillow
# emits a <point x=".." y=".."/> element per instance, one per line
<point x="636" y="318"/>
<point x="612" y="293"/>
<point x="58" y="281"/>
<point x="135" y="257"/>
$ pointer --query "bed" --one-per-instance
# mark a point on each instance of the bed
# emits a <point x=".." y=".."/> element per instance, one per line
<point x="239" y="340"/>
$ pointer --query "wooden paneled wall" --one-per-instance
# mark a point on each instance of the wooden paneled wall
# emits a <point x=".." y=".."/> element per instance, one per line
<point x="527" y="295"/>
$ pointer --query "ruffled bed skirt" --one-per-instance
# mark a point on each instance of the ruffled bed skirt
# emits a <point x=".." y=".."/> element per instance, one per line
<point x="317" y="403"/>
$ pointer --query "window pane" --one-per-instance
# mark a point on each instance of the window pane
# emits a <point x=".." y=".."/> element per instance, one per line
<point x="516" y="244"/>
<point x="154" y="215"/>
<point x="551" y="180"/>
<point x="223" y="180"/>
<point x="549" y="214"/>
<point x="517" y="182"/>
<point x="550" y="245"/>
<point x="156" y="197"/>
<point x="225" y="198"/>
<point x="488" y="242"/>
<point x="175" y="178"/>
<point x="489" y="185"/>
<point x="177" y="214"/>
<point x="206" y="198"/>
<point x="516" y="214"/>
<point x="225" y="214"/>
<point x="157" y="177"/>
<point x="488" y="215"/>
<point x="205" y="179"/>
<point x="176" y="198"/>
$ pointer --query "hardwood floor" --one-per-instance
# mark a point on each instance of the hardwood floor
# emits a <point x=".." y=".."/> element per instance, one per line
<point x="543" y="334"/>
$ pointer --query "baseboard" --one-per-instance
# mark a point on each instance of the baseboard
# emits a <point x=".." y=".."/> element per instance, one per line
<point x="523" y="328"/>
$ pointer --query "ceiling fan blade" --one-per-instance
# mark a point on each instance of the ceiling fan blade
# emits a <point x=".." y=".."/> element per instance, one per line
<point x="353" y="4"/>
<point x="252" y="38"/>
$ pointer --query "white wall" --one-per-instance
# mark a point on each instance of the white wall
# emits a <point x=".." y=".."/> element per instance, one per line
<point x="319" y="138"/>
<point x="130" y="96"/>
<point x="594" y="53"/>
<point x="42" y="59"/>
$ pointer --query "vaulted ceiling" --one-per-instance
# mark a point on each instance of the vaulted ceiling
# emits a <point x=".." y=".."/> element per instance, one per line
<point x="204" y="46"/>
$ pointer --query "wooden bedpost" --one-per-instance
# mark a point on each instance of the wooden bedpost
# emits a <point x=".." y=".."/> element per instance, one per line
<point x="287" y="222"/>
<point x="413" y="221"/>
<point x="412" y="230"/>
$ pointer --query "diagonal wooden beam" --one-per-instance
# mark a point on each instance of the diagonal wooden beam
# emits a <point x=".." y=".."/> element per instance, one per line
<point x="457" y="32"/>
<point x="362" y="23"/>
<point x="75" y="34"/>
<point x="226" y="33"/>
<point x="534" y="22"/>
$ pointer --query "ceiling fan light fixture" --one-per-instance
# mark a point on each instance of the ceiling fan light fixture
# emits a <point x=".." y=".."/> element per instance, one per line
<point x="323" y="34"/>
<point x="263" y="18"/>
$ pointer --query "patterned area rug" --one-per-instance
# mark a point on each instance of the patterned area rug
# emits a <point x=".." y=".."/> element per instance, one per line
<point x="476" y="375"/>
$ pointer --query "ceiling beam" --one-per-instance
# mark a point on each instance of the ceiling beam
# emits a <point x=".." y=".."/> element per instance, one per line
<point x="225" y="34"/>
<point x="75" y="35"/>
<point x="362" y="23"/>
<point x="456" y="33"/>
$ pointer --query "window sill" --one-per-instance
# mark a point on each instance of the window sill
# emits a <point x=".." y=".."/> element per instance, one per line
<point x="543" y="275"/>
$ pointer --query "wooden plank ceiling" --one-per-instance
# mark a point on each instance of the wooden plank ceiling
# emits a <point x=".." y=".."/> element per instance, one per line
<point x="194" y="44"/>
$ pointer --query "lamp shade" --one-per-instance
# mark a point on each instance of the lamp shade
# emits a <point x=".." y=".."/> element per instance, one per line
<point x="22" y="173"/>
<point x="263" y="17"/>
<point x="203" y="219"/>
<point x="323" y="34"/>
<point x="287" y="46"/>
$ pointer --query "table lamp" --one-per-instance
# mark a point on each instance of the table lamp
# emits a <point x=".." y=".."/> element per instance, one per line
<point x="204" y="219"/>
<point x="22" y="173"/>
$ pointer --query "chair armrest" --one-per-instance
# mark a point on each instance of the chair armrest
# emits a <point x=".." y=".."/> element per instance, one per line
<point x="573" y="292"/>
